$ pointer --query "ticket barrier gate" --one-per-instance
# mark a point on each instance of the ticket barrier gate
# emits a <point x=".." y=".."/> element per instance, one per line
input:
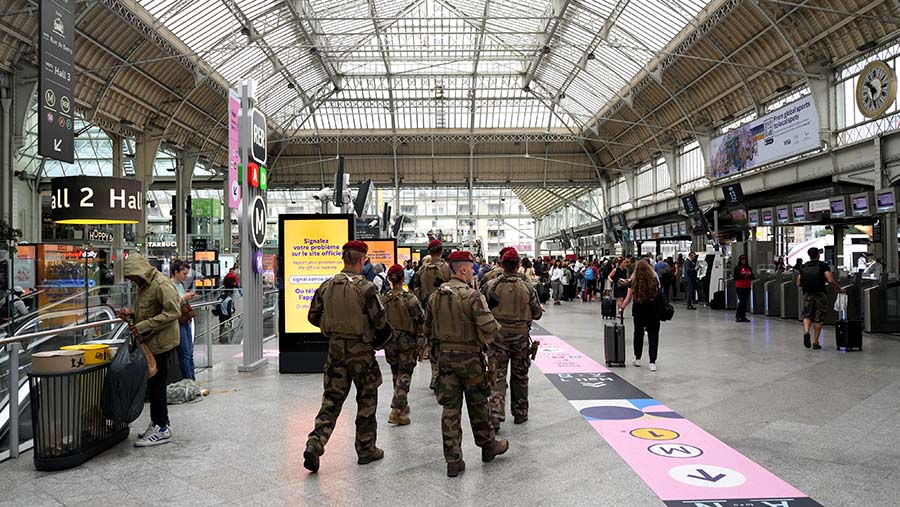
<point x="758" y="295"/>
<point x="773" y="295"/>
<point x="731" y="299"/>
<point x="881" y="307"/>
<point x="790" y="299"/>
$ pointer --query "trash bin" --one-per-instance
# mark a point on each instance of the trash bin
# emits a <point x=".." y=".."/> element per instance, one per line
<point x="67" y="422"/>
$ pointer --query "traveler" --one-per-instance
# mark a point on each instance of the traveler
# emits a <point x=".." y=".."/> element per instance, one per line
<point x="347" y="310"/>
<point x="743" y="280"/>
<point x="231" y="280"/>
<point x="380" y="278"/>
<point x="568" y="281"/>
<point x="368" y="270"/>
<point x="691" y="280"/>
<point x="799" y="264"/>
<point x="14" y="305"/>
<point x="644" y="291"/>
<point x="605" y="270"/>
<point x="678" y="275"/>
<point x="155" y="321"/>
<point x="406" y="318"/>
<point x="408" y="272"/>
<point x="812" y="277"/>
<point x="461" y="326"/>
<point x="427" y="279"/>
<point x="105" y="278"/>
<point x="556" y="276"/>
<point x="618" y="282"/>
<point x="514" y="303"/>
<point x="527" y="269"/>
<point x="779" y="265"/>
<point x="180" y="270"/>
<point x="224" y="310"/>
<point x="591" y="273"/>
<point x="664" y="273"/>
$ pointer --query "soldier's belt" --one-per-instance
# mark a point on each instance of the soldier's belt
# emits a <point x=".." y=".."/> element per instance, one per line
<point x="459" y="347"/>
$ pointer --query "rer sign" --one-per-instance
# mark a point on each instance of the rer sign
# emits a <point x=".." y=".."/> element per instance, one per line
<point x="258" y="150"/>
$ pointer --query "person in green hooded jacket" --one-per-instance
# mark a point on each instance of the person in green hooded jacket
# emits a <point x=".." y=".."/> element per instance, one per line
<point x="155" y="321"/>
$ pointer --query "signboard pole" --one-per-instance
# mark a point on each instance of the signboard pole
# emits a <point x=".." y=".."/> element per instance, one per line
<point x="251" y="280"/>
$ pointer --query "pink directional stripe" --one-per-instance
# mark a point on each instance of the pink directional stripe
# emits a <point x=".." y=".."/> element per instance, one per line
<point x="557" y="356"/>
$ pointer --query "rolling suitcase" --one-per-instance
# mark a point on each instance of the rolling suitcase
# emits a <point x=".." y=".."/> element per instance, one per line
<point x="614" y="343"/>
<point x="608" y="308"/>
<point x="848" y="334"/>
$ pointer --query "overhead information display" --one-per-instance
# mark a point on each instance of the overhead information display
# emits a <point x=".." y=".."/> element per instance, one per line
<point x="56" y="83"/>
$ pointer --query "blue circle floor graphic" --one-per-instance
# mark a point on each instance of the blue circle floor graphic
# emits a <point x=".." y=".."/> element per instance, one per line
<point x="614" y="413"/>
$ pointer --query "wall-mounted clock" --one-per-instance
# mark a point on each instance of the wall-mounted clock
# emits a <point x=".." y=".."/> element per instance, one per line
<point x="876" y="89"/>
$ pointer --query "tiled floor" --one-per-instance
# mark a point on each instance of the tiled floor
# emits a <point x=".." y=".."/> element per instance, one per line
<point x="822" y="420"/>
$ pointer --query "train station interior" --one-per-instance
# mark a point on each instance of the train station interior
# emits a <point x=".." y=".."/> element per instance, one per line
<point x="251" y="139"/>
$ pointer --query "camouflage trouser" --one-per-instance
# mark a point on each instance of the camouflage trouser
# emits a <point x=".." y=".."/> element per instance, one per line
<point x="514" y="356"/>
<point x="349" y="361"/>
<point x="433" y="359"/>
<point x="462" y="374"/>
<point x="401" y="354"/>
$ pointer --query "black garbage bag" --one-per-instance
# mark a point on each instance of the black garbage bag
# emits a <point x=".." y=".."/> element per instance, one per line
<point x="125" y="387"/>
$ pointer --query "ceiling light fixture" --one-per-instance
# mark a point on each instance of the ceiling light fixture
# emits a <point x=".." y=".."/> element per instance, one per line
<point x="245" y="31"/>
<point x="291" y="85"/>
<point x="591" y="56"/>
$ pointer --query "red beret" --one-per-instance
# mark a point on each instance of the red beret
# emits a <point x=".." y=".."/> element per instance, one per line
<point x="435" y="244"/>
<point x="510" y="255"/>
<point x="461" y="256"/>
<point x="396" y="268"/>
<point x="504" y="250"/>
<point x="357" y="245"/>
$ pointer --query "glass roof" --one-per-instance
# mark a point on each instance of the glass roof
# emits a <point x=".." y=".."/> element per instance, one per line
<point x="428" y="64"/>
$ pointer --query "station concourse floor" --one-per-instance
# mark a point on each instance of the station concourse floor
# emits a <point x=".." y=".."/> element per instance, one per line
<point x="824" y="421"/>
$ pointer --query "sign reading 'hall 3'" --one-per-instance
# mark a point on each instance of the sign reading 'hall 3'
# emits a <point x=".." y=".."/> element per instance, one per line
<point x="56" y="88"/>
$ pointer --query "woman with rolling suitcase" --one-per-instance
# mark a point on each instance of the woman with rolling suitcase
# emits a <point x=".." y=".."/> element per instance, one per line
<point x="644" y="291"/>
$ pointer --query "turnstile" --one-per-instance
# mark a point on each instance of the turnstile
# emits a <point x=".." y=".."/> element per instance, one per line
<point x="881" y="308"/>
<point x="758" y="296"/>
<point x="773" y="297"/>
<point x="731" y="299"/>
<point x="790" y="300"/>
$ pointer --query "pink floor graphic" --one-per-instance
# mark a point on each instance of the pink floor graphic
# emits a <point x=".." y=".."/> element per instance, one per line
<point x="683" y="464"/>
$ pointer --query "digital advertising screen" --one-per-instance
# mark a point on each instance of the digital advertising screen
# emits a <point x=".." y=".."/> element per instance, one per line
<point x="404" y="253"/>
<point x="310" y="253"/>
<point x="885" y="201"/>
<point x="766" y="216"/>
<point x="838" y="207"/>
<point x="382" y="251"/>
<point x="860" y="204"/>
<point x="667" y="230"/>
<point x="682" y="229"/>
<point x="416" y="256"/>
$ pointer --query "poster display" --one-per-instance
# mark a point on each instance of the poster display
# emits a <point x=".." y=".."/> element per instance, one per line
<point x="382" y="251"/>
<point x="416" y="256"/>
<point x="786" y="132"/>
<point x="404" y="253"/>
<point x="310" y="253"/>
<point x="234" y="154"/>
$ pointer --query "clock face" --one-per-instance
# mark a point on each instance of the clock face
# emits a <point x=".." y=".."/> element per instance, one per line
<point x="876" y="89"/>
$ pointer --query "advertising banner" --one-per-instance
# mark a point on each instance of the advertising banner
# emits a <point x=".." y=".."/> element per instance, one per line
<point x="310" y="246"/>
<point x="234" y="154"/>
<point x="383" y="251"/>
<point x="404" y="253"/>
<point x="788" y="131"/>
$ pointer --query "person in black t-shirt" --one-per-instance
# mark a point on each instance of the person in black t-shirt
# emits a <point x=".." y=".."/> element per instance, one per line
<point x="812" y="278"/>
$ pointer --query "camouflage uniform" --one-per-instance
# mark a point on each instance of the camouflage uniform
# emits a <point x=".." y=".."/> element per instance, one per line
<point x="459" y="322"/>
<point x="514" y="303"/>
<point x="406" y="319"/>
<point x="491" y="275"/>
<point x="424" y="283"/>
<point x="348" y="311"/>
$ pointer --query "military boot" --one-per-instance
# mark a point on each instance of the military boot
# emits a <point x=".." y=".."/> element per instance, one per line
<point x="375" y="455"/>
<point x="311" y="458"/>
<point x="494" y="449"/>
<point x="454" y="468"/>
<point x="394" y="418"/>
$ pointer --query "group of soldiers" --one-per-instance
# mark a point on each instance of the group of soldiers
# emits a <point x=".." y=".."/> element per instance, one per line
<point x="473" y="338"/>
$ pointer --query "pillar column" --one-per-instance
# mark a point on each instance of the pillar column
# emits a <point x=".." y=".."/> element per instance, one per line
<point x="226" y="216"/>
<point x="118" y="162"/>
<point x="184" y="173"/>
<point x="144" y="159"/>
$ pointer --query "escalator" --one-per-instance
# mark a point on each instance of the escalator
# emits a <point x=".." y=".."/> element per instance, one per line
<point x="79" y="326"/>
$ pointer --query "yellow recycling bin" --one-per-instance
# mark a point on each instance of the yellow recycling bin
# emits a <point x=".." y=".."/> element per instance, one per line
<point x="94" y="353"/>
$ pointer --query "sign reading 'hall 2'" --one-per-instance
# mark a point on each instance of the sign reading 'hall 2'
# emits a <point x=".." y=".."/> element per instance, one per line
<point x="56" y="89"/>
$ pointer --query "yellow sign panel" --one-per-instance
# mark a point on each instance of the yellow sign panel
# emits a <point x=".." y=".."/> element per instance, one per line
<point x="654" y="434"/>
<point x="416" y="255"/>
<point x="312" y="254"/>
<point x="404" y="253"/>
<point x="381" y="252"/>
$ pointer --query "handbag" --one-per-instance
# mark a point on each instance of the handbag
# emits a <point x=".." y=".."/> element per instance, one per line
<point x="664" y="310"/>
<point x="151" y="360"/>
<point x="187" y="313"/>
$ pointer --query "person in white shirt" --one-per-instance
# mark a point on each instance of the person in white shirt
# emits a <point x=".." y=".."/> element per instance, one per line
<point x="556" y="279"/>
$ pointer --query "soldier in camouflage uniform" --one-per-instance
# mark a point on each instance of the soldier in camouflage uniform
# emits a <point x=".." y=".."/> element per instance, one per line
<point x="406" y="318"/>
<point x="429" y="277"/>
<point x="461" y="327"/>
<point x="494" y="273"/>
<point x="347" y="310"/>
<point x="514" y="303"/>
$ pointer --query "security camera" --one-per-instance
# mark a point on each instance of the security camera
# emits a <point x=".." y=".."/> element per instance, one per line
<point x="373" y="223"/>
<point x="323" y="195"/>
